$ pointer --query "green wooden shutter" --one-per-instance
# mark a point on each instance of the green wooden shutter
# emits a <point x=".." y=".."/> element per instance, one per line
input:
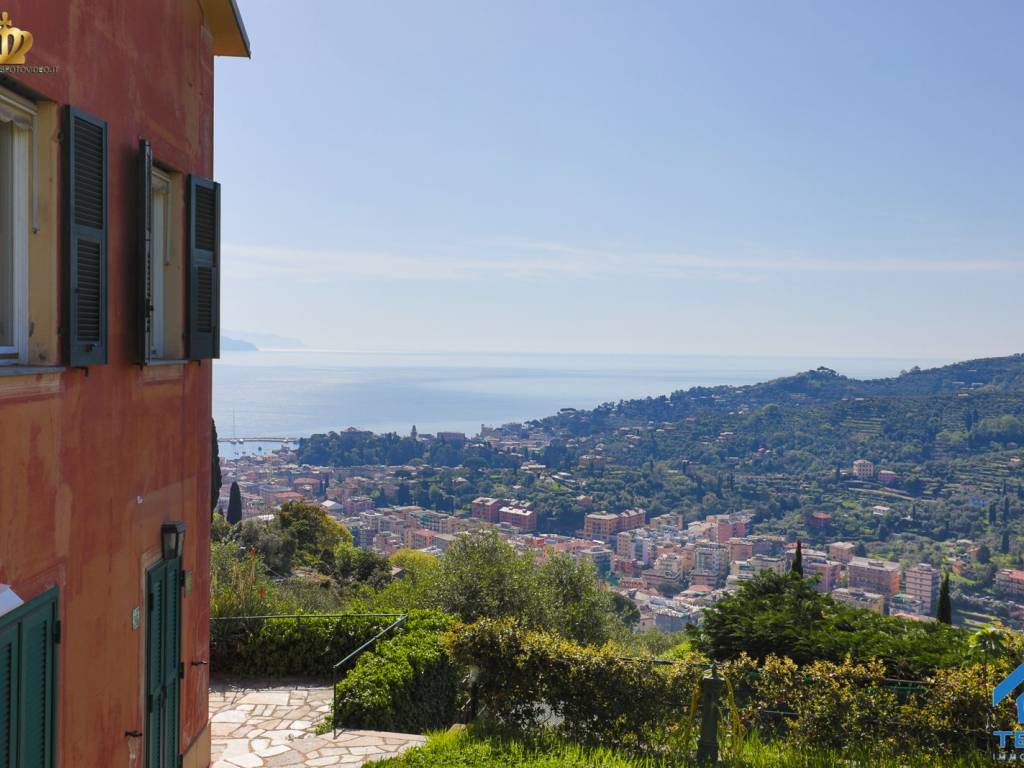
<point x="37" y="699"/>
<point x="204" y="269"/>
<point x="85" y="268"/>
<point x="154" y="669"/>
<point x="172" y="661"/>
<point x="9" y="697"/>
<point x="144" y="227"/>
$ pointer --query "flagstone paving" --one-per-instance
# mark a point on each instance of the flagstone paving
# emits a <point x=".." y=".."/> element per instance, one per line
<point x="272" y="726"/>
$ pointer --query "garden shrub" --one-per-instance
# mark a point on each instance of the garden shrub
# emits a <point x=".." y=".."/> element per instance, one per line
<point x="296" y="647"/>
<point x="848" y="706"/>
<point x="596" y="696"/>
<point x="408" y="683"/>
<point x="844" y="707"/>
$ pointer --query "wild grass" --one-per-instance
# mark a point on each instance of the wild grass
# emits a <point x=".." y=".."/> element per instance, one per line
<point x="474" y="748"/>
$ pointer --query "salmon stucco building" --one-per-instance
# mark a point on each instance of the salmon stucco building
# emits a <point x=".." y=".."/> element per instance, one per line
<point x="109" y="322"/>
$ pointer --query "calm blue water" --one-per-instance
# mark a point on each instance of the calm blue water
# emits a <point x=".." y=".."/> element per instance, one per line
<point x="299" y="392"/>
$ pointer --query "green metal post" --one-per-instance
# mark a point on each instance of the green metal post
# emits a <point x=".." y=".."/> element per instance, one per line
<point x="710" y="690"/>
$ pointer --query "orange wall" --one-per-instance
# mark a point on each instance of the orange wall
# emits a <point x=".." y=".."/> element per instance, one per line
<point x="78" y="451"/>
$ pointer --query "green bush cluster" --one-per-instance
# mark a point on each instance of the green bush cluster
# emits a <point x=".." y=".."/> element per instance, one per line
<point x="782" y="615"/>
<point x="594" y="695"/>
<point x="853" y="706"/>
<point x="301" y="647"/>
<point x="408" y="683"/>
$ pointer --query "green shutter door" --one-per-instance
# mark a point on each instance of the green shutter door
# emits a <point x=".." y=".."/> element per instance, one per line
<point x="9" y="697"/>
<point x="36" y="715"/>
<point x="154" y="667"/>
<point x="172" y="660"/>
<point x="163" y="658"/>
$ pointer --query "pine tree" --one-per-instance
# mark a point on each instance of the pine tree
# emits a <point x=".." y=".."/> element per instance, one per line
<point x="235" y="505"/>
<point x="798" y="559"/>
<point x="945" y="612"/>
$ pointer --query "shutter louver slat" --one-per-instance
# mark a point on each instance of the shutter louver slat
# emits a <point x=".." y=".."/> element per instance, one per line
<point x="87" y="304"/>
<point x="154" y="669"/>
<point x="204" y="305"/>
<point x="206" y="219"/>
<point x="144" y="219"/>
<point x="204" y="269"/>
<point x="172" y="658"/>
<point x="85" y="272"/>
<point x="8" y="696"/>
<point x="35" y="720"/>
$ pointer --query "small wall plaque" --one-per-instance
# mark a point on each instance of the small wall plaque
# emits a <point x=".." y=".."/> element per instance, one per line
<point x="136" y="617"/>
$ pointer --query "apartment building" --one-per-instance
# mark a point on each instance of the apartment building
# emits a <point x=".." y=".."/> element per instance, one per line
<point x="881" y="576"/>
<point x="827" y="571"/>
<point x="487" y="509"/>
<point x="860" y="598"/>
<point x="863" y="469"/>
<point x="108" y="328"/>
<point x="523" y="519"/>
<point x="922" y="582"/>
<point x="1010" y="583"/>
<point x="843" y="551"/>
<point x="605" y="525"/>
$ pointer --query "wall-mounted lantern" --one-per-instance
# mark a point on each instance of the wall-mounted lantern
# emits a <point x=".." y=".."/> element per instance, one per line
<point x="172" y="540"/>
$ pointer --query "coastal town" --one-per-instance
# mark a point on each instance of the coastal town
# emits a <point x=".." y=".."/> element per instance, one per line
<point x="672" y="569"/>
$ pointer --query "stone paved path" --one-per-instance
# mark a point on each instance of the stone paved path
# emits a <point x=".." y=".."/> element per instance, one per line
<point x="271" y="726"/>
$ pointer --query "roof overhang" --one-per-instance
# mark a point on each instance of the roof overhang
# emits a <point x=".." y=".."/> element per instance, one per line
<point x="225" y="24"/>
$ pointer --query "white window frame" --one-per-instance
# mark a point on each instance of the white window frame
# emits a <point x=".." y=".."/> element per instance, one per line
<point x="21" y="135"/>
<point x="161" y="255"/>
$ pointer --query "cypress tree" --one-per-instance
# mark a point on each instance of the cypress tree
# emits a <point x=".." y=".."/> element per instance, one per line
<point x="1005" y="547"/>
<point x="235" y="505"/>
<point x="945" y="611"/>
<point x="798" y="559"/>
<point x="215" y="478"/>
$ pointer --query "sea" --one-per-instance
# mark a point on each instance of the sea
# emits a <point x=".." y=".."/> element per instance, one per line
<point x="261" y="398"/>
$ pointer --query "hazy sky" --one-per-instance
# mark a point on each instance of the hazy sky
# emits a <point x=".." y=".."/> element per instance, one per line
<point x="713" y="177"/>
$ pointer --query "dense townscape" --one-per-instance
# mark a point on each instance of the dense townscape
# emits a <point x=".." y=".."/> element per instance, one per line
<point x="886" y="485"/>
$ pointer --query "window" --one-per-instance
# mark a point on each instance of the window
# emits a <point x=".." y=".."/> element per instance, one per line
<point x="161" y="258"/>
<point x="160" y="255"/>
<point x="15" y="132"/>
<point x="28" y="690"/>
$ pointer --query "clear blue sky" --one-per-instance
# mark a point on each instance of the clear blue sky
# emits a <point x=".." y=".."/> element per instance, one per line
<point x="786" y="178"/>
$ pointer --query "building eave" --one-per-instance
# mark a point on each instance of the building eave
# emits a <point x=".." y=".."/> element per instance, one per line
<point x="224" y="21"/>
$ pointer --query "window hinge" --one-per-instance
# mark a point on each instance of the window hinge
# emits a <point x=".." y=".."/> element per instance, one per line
<point x="181" y="579"/>
<point x="181" y="670"/>
<point x="57" y="626"/>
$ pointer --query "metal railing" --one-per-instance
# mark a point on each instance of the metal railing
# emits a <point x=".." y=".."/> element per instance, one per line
<point x="397" y="620"/>
<point x="336" y="669"/>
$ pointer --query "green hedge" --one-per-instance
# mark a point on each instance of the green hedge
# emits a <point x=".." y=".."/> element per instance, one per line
<point x="845" y="708"/>
<point x="408" y="683"/>
<point x="848" y="706"/>
<point x="597" y="696"/>
<point x="305" y="647"/>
